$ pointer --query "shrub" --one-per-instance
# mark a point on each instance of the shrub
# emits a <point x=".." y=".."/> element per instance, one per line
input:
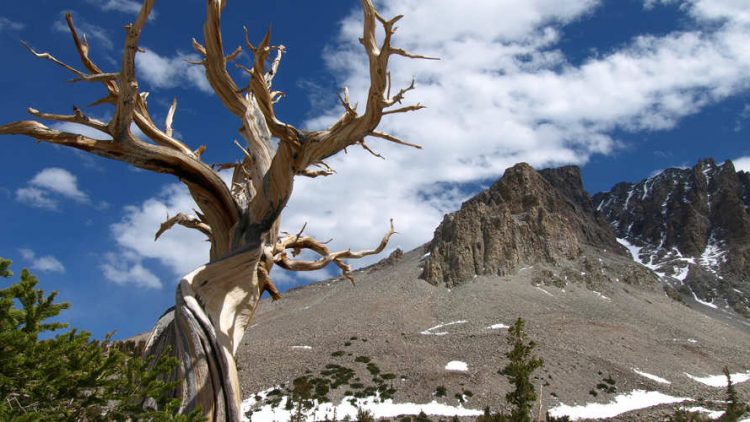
<point x="440" y="391"/>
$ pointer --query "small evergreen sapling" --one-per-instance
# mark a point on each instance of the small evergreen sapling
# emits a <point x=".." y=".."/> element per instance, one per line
<point x="522" y="363"/>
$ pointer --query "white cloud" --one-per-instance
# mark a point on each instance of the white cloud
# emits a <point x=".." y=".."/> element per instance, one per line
<point x="92" y="32"/>
<point x="504" y="92"/>
<point x="46" y="264"/>
<point x="35" y="198"/>
<point x="47" y="186"/>
<point x="9" y="25"/>
<point x="180" y="249"/>
<point x="126" y="269"/>
<point x="170" y="72"/>
<point x="124" y="6"/>
<point x="742" y="163"/>
<point x="60" y="181"/>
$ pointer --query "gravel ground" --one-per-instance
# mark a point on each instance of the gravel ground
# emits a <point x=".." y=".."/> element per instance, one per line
<point x="584" y="336"/>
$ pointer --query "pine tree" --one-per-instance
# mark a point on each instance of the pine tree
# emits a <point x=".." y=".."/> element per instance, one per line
<point x="71" y="376"/>
<point x="735" y="406"/>
<point x="518" y="371"/>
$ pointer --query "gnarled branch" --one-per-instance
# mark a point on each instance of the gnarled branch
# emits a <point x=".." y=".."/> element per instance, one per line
<point x="184" y="220"/>
<point x="297" y="243"/>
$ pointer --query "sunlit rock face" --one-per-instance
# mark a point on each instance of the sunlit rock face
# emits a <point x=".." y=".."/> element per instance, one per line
<point x="526" y="217"/>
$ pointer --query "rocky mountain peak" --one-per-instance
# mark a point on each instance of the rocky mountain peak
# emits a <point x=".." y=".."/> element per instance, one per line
<point x="691" y="226"/>
<point x="524" y="218"/>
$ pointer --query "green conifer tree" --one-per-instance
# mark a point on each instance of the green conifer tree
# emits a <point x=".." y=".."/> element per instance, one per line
<point x="735" y="406"/>
<point x="518" y="371"/>
<point x="70" y="376"/>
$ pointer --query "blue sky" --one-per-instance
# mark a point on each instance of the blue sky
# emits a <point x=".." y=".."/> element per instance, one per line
<point x="622" y="88"/>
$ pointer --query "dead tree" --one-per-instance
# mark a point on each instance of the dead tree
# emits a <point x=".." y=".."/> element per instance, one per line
<point x="216" y="302"/>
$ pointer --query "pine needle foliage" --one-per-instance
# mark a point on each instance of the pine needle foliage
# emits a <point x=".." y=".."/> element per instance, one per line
<point x="72" y="376"/>
<point x="522" y="363"/>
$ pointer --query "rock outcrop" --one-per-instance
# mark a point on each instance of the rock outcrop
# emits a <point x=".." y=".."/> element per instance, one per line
<point x="692" y="227"/>
<point x="526" y="217"/>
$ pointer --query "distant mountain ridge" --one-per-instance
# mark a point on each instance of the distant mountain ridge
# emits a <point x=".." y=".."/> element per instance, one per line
<point x="691" y="227"/>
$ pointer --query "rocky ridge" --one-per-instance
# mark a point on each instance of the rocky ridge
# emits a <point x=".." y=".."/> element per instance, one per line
<point x="692" y="227"/>
<point x="527" y="218"/>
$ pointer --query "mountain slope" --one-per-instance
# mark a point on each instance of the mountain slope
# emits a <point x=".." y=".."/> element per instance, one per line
<point x="692" y="227"/>
<point x="413" y="329"/>
<point x="531" y="246"/>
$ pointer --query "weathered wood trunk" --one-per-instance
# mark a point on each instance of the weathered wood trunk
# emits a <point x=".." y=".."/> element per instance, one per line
<point x="207" y="372"/>
<point x="215" y="303"/>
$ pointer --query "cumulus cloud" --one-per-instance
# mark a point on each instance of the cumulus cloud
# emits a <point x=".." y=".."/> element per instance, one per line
<point x="45" y="264"/>
<point x="503" y="92"/>
<point x="9" y="25"/>
<point x="50" y="185"/>
<point x="181" y="250"/>
<point x="170" y="72"/>
<point x="127" y="269"/>
<point x="124" y="6"/>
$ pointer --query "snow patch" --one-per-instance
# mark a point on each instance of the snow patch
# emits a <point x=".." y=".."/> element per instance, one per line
<point x="457" y="366"/>
<point x="714" y="255"/>
<point x="322" y="411"/>
<point x="431" y="331"/>
<point x="651" y="377"/>
<point x="497" y="326"/>
<point x="713" y="414"/>
<point x="703" y="302"/>
<point x="546" y="292"/>
<point x="720" y="381"/>
<point x="601" y="295"/>
<point x="302" y="347"/>
<point x="637" y="399"/>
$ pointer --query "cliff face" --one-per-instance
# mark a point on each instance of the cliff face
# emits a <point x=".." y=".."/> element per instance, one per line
<point x="526" y="217"/>
<point x="691" y="226"/>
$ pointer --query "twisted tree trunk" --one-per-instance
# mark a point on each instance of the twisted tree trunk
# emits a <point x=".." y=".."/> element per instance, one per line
<point x="215" y="303"/>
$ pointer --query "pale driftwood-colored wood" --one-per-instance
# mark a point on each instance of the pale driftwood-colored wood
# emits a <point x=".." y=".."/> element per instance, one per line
<point x="216" y="302"/>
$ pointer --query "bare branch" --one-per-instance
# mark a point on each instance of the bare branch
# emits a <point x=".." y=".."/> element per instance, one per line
<point x="170" y="116"/>
<point x="297" y="243"/>
<point x="78" y="117"/>
<point x="345" y="102"/>
<point x="399" y="95"/>
<point x="101" y="77"/>
<point x="126" y="102"/>
<point x="215" y="62"/>
<point x="267" y="284"/>
<point x="184" y="220"/>
<point x="393" y="139"/>
<point x="275" y="64"/>
<point x="224" y="166"/>
<point x="414" y="107"/>
<point x="83" y="47"/>
<point x="233" y="55"/>
<point x="368" y="149"/>
<point x="47" y="56"/>
<point x="199" y="48"/>
<point x="404" y="53"/>
<point x="315" y="173"/>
